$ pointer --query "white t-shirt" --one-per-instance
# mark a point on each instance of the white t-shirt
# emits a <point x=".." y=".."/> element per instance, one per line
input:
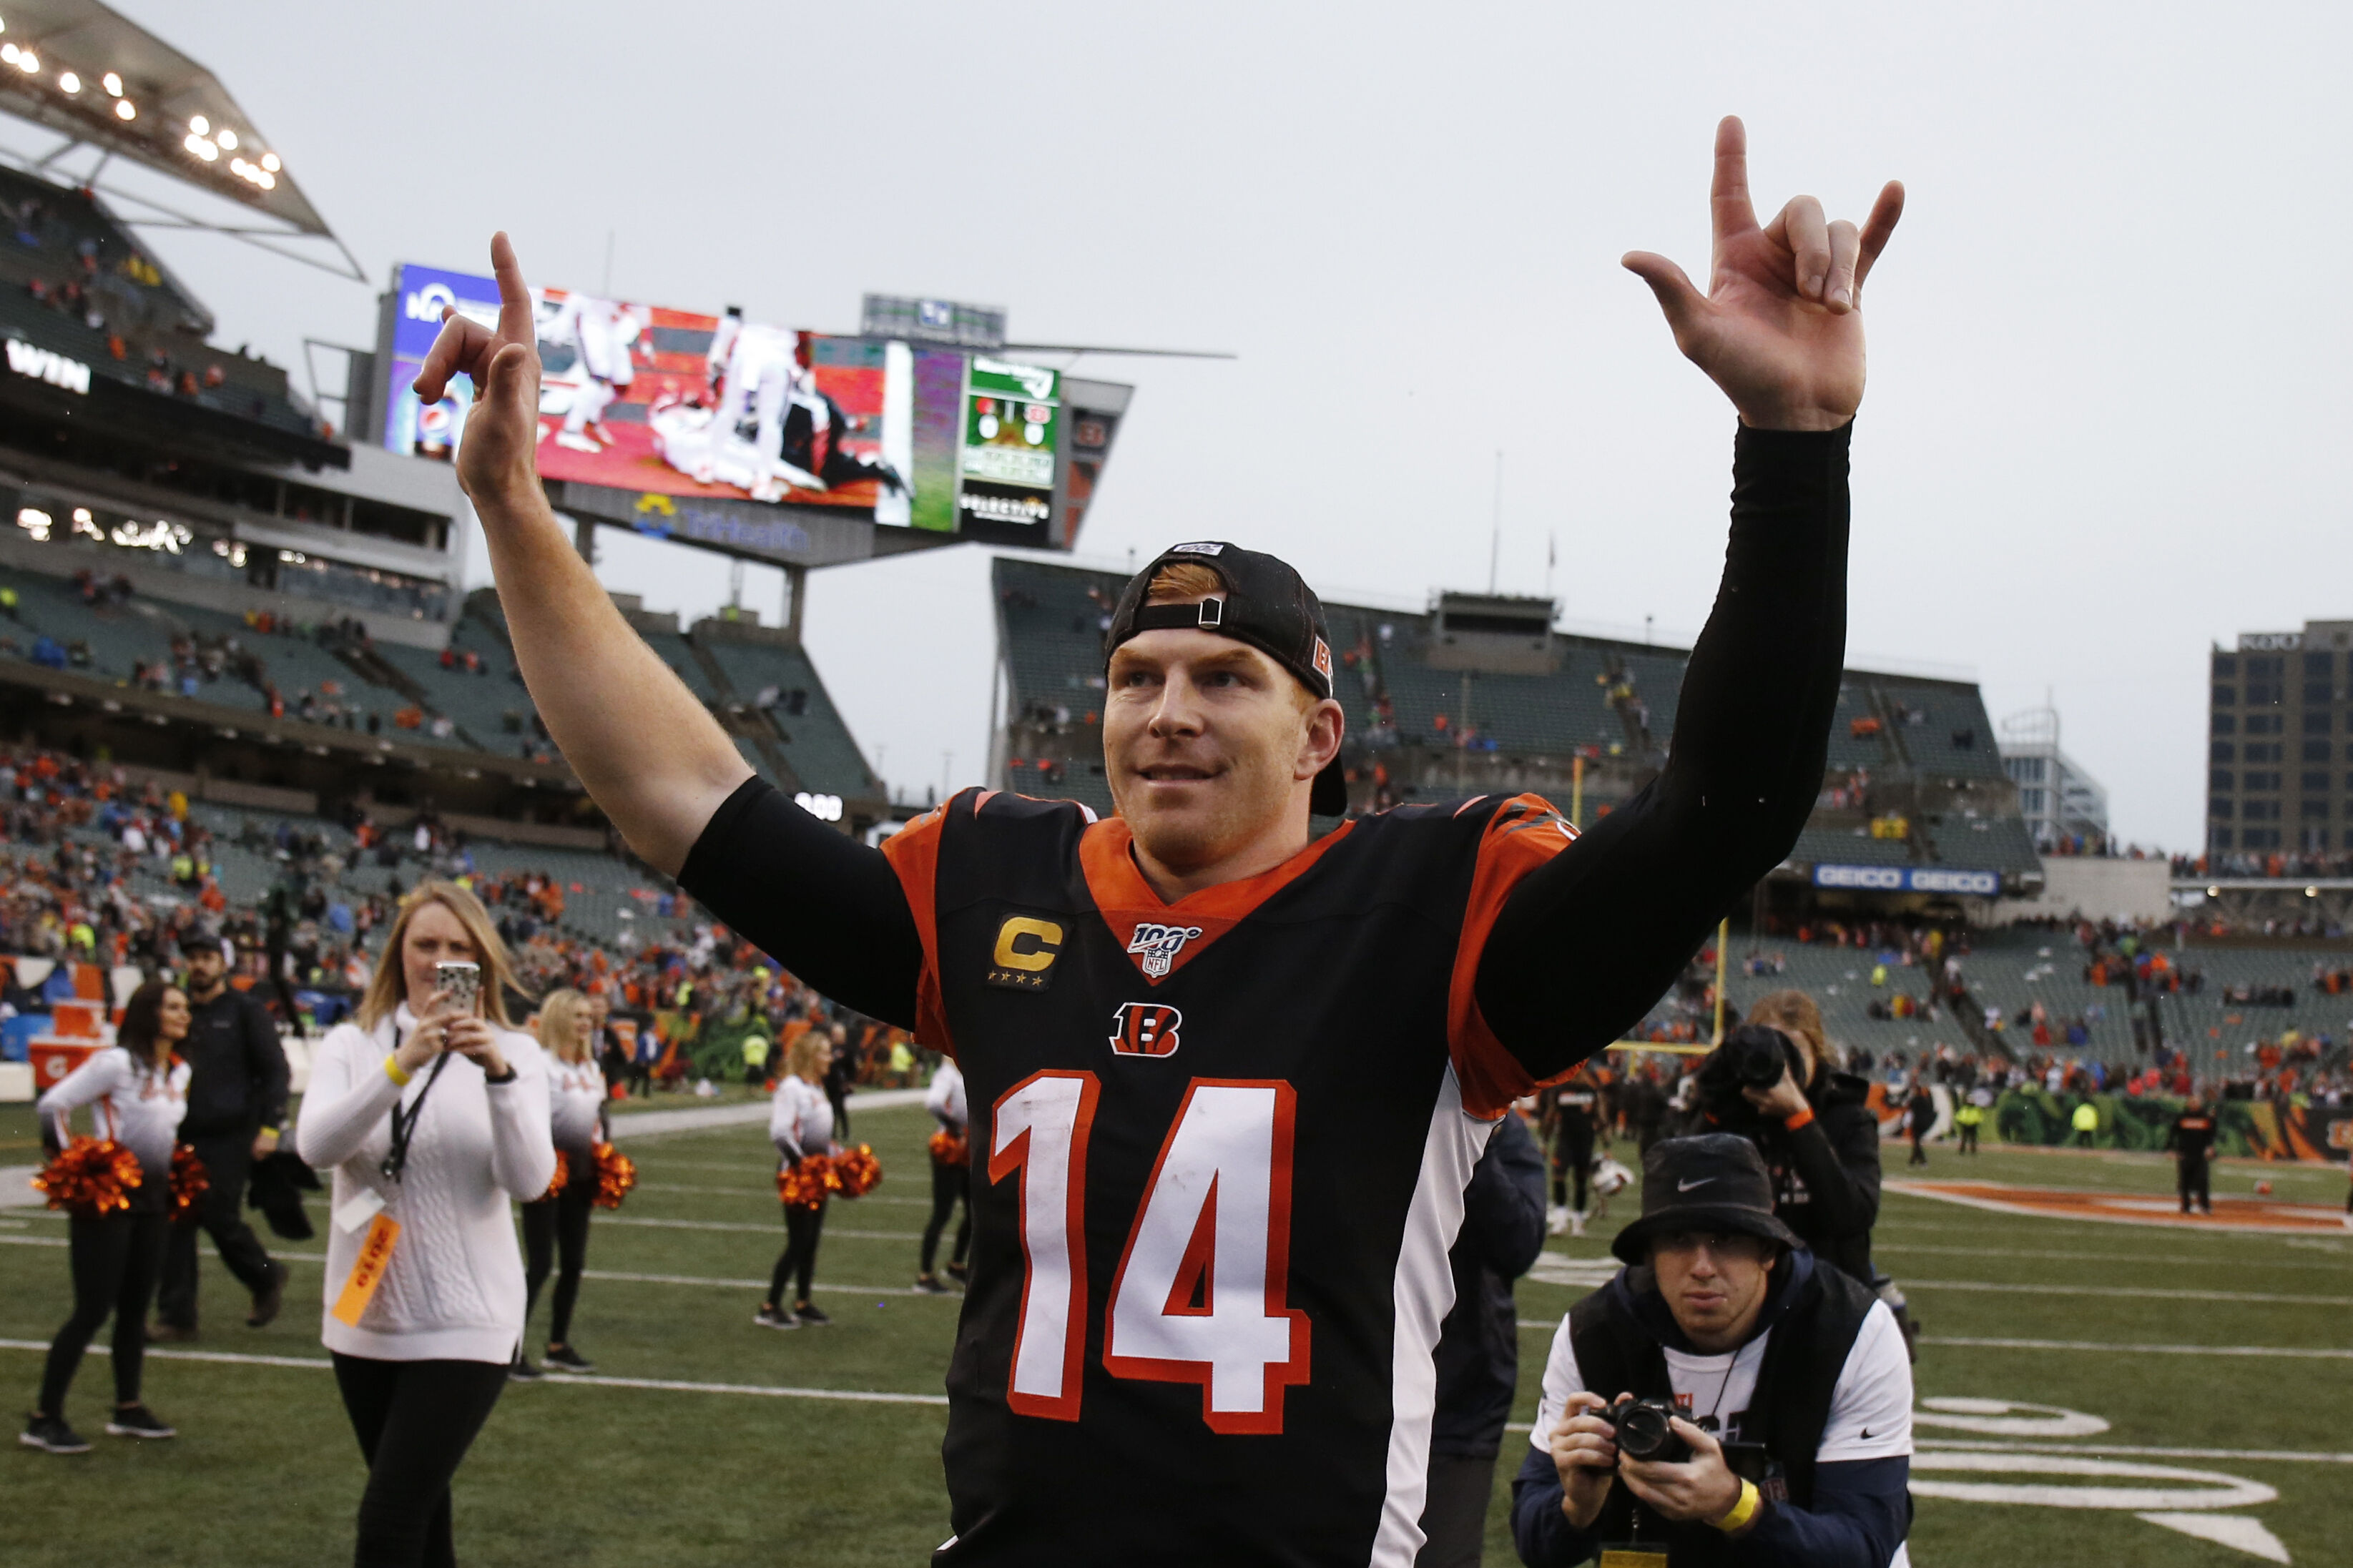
<point x="1871" y="1404"/>
<point x="575" y="1093"/>
<point x="800" y="1118"/>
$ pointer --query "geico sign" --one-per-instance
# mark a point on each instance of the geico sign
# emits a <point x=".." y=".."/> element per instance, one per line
<point x="53" y="368"/>
<point x="1909" y="879"/>
<point x="824" y="808"/>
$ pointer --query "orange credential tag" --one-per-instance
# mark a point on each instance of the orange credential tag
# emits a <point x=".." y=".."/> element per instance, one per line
<point x="376" y="1256"/>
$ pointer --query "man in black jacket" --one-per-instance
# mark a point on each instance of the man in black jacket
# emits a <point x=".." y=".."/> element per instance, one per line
<point x="236" y="1102"/>
<point x="1792" y="1391"/>
<point x="2192" y="1139"/>
<point x="1819" y="1137"/>
<point x="1478" y="1360"/>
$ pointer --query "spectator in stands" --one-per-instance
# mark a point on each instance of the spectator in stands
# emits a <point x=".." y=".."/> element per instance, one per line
<point x="236" y="1104"/>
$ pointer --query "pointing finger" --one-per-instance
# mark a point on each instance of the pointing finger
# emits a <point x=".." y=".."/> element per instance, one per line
<point x="1800" y="227"/>
<point x="1879" y="228"/>
<point x="1728" y="197"/>
<point x="1677" y="297"/>
<point x="514" y="295"/>
<point x="1838" y="293"/>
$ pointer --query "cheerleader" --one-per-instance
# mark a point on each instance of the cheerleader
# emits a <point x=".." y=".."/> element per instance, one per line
<point x="558" y="1223"/>
<point x="433" y="1113"/>
<point x="944" y="1100"/>
<point x="138" y="1092"/>
<point x="800" y="1123"/>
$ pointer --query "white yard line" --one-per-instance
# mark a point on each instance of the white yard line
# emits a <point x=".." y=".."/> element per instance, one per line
<point x="591" y="1380"/>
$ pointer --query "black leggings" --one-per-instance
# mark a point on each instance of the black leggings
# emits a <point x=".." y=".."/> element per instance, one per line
<point x="947" y="1191"/>
<point x="797" y="1262"/>
<point x="1572" y="1158"/>
<point x="414" y="1421"/>
<point x="115" y="1263"/>
<point x="560" y="1226"/>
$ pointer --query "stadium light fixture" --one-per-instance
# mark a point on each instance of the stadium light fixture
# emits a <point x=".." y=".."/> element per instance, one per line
<point x="226" y="137"/>
<point x="2312" y="892"/>
<point x="124" y="109"/>
<point x="68" y="83"/>
<point x="112" y="83"/>
<point x="199" y="125"/>
<point x="28" y="62"/>
<point x="2214" y="892"/>
<point x="9" y="52"/>
<point x="269" y="163"/>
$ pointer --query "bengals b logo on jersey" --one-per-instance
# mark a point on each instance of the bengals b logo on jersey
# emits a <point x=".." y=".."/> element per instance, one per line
<point x="1145" y="1029"/>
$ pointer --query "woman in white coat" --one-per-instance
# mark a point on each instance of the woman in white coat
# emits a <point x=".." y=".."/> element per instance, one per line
<point x="433" y="1113"/>
<point x="800" y="1123"/>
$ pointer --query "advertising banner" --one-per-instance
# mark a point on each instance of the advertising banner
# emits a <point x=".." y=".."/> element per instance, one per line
<point x="656" y="403"/>
<point x="2257" y="1128"/>
<point x="1910" y="879"/>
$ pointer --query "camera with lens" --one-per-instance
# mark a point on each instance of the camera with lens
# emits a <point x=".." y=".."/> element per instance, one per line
<point x="1640" y="1428"/>
<point x="1753" y="1056"/>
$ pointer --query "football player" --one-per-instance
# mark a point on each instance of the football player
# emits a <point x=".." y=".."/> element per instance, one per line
<point x="1226" y="1078"/>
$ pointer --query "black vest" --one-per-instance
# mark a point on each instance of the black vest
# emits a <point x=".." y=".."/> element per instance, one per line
<point x="1810" y="1344"/>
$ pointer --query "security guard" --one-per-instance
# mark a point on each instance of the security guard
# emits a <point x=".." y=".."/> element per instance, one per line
<point x="2085" y="1122"/>
<point x="237" y="1102"/>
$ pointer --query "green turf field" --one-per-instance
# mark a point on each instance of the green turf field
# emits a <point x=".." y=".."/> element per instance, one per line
<point x="637" y="1467"/>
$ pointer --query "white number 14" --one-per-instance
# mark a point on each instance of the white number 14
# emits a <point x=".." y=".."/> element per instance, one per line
<point x="1199" y="1296"/>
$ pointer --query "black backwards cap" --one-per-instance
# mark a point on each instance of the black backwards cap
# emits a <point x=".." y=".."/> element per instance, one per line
<point x="1266" y="604"/>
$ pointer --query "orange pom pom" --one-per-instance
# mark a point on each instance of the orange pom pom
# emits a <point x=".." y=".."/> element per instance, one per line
<point x="859" y="1170"/>
<point x="562" y="1179"/>
<point x="189" y="1182"/>
<point x="948" y="1148"/>
<point x="804" y="1183"/>
<point x="91" y="1177"/>
<point x="616" y="1174"/>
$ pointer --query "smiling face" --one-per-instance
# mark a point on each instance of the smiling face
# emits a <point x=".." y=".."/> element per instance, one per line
<point x="172" y="1017"/>
<point x="1210" y="747"/>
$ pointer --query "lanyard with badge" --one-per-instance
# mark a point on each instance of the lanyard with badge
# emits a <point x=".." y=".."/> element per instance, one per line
<point x="383" y="1231"/>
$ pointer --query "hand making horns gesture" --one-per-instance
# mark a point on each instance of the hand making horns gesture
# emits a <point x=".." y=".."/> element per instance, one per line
<point x="1778" y="328"/>
<point x="496" y="461"/>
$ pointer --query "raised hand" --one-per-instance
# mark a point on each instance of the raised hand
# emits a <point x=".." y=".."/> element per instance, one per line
<point x="496" y="459"/>
<point x="1777" y="329"/>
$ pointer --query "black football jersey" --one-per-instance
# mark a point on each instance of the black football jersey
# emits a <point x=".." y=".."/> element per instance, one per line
<point x="1218" y="1155"/>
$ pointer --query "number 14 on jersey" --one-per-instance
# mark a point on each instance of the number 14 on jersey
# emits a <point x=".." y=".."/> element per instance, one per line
<point x="1199" y="1296"/>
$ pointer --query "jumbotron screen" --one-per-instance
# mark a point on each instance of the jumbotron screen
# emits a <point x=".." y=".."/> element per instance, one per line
<point x="651" y="400"/>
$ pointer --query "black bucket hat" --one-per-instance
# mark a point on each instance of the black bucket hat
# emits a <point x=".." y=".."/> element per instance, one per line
<point x="1716" y="1181"/>
<point x="1266" y="604"/>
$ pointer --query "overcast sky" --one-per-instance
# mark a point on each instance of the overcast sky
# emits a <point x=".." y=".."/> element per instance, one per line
<point x="2108" y="390"/>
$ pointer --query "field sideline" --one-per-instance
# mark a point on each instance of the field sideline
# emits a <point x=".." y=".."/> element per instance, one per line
<point x="2220" y="1362"/>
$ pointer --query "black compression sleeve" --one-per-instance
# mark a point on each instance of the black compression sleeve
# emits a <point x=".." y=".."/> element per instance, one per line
<point x="823" y="905"/>
<point x="1588" y="942"/>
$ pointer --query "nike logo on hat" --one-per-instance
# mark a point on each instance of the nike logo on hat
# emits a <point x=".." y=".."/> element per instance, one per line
<point x="1686" y="1186"/>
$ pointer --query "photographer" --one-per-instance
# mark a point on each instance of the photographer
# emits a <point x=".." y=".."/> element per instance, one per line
<point x="1775" y="1081"/>
<point x="1762" y="1408"/>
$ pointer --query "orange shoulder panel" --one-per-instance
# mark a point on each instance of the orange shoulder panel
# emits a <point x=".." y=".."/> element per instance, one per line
<point x="913" y="853"/>
<point x="1524" y="833"/>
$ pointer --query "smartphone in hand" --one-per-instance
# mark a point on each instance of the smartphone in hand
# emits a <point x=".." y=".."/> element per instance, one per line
<point x="462" y="981"/>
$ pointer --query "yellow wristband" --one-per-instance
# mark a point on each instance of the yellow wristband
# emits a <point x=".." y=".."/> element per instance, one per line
<point x="1736" y="1519"/>
<point x="391" y="1070"/>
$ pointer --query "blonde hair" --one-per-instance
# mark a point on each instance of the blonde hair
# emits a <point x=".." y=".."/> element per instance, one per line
<point x="1184" y="580"/>
<point x="1795" y="1011"/>
<point x="560" y="1012"/>
<point x="389" y="988"/>
<point x="813" y="1052"/>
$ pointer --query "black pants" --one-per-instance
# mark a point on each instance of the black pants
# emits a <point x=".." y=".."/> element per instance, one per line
<point x="1919" y="1155"/>
<point x="415" y="1420"/>
<point x="2192" y="1177"/>
<point x="115" y="1261"/>
<point x="226" y="1160"/>
<point x="1454" y="1514"/>
<point x="1572" y="1161"/>
<point x="947" y="1191"/>
<point x="797" y="1262"/>
<point x="559" y="1227"/>
<point x="839" y="1100"/>
<point x="1968" y="1138"/>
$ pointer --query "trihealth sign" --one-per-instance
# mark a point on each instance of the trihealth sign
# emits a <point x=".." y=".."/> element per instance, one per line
<point x="1910" y="879"/>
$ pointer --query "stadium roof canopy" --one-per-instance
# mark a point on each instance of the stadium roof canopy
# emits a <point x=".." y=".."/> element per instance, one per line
<point x="81" y="69"/>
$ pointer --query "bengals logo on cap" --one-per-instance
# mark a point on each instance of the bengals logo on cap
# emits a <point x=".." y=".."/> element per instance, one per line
<point x="1145" y="1029"/>
<point x="1323" y="661"/>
